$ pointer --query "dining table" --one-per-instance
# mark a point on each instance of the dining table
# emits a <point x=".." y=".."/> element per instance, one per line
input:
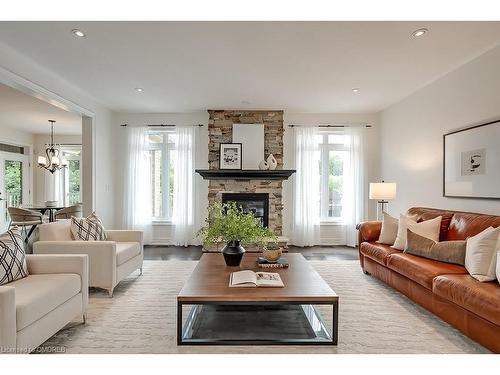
<point x="42" y="208"/>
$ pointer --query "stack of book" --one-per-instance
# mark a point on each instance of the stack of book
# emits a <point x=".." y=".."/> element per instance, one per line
<point x="280" y="263"/>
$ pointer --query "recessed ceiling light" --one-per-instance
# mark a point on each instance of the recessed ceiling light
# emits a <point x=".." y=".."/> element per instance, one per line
<point x="419" y="32"/>
<point x="78" y="33"/>
<point x="139" y="89"/>
<point x="355" y="89"/>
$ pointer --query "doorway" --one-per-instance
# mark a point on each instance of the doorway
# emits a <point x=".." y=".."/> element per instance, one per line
<point x="15" y="182"/>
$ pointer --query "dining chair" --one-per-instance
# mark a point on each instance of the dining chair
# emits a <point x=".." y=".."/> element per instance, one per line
<point x="24" y="218"/>
<point x="68" y="212"/>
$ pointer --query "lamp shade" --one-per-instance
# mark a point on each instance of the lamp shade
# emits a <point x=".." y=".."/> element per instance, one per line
<point x="382" y="190"/>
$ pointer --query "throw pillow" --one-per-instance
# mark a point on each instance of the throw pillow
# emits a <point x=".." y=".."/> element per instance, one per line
<point x="498" y="266"/>
<point x="389" y="230"/>
<point x="446" y="251"/>
<point x="481" y="254"/>
<point x="428" y="228"/>
<point x="88" y="229"/>
<point x="12" y="257"/>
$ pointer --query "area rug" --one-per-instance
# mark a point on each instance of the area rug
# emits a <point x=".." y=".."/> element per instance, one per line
<point x="373" y="318"/>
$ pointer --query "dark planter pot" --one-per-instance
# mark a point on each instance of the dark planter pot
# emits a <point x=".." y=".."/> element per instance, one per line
<point x="233" y="253"/>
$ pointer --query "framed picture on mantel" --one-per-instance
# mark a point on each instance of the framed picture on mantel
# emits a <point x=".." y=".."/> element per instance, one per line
<point x="472" y="162"/>
<point x="230" y="156"/>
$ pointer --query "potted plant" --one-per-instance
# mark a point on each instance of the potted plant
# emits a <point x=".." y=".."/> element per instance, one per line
<point x="227" y="223"/>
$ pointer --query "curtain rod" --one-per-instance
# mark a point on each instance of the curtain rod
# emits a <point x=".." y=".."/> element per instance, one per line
<point x="162" y="125"/>
<point x="327" y="126"/>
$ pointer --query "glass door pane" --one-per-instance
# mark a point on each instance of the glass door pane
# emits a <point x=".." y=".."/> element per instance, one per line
<point x="13" y="191"/>
<point x="13" y="175"/>
<point x="335" y="183"/>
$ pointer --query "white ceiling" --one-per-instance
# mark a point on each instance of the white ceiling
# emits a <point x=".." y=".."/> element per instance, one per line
<point x="296" y="66"/>
<point x="31" y="115"/>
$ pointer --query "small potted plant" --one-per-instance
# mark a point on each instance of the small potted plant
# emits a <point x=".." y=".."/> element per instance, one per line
<point x="228" y="224"/>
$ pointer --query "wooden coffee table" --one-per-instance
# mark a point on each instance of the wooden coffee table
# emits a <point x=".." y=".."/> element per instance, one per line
<point x="207" y="290"/>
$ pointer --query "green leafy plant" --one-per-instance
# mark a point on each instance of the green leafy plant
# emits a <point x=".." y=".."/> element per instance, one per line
<point x="227" y="223"/>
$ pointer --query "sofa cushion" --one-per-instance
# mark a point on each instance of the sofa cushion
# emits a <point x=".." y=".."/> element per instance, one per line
<point x="481" y="254"/>
<point x="126" y="251"/>
<point x="377" y="251"/>
<point x="421" y="270"/>
<point x="444" y="251"/>
<point x="482" y="299"/>
<point x="56" y="231"/>
<point x="389" y="230"/>
<point x="424" y="214"/>
<point x="37" y="295"/>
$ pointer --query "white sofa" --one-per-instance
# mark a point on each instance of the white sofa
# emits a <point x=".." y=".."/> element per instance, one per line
<point x="109" y="261"/>
<point x="34" y="308"/>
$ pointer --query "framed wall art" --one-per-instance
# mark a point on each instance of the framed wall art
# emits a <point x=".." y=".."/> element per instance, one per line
<point x="230" y="156"/>
<point x="471" y="162"/>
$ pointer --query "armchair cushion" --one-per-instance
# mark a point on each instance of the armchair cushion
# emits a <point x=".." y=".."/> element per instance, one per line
<point x="12" y="257"/>
<point x="126" y="251"/>
<point x="37" y="295"/>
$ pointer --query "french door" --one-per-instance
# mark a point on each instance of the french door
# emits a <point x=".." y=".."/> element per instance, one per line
<point x="14" y="184"/>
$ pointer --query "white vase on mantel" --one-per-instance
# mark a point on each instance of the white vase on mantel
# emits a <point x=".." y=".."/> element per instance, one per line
<point x="263" y="165"/>
<point x="271" y="160"/>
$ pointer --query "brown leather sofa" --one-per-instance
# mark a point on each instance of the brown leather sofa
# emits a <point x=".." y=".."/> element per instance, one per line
<point x="446" y="290"/>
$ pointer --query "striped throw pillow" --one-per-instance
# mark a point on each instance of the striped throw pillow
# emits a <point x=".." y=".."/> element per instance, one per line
<point x="12" y="256"/>
<point x="89" y="228"/>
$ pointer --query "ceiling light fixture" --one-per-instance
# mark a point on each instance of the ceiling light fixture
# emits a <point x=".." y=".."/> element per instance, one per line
<point x="355" y="89"/>
<point x="139" y="89"/>
<point x="53" y="161"/>
<point x="78" y="33"/>
<point x="419" y="32"/>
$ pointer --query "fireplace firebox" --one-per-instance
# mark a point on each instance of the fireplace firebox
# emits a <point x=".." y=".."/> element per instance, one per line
<point x="255" y="203"/>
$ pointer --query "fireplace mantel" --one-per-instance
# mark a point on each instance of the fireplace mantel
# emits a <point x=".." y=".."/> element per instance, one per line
<point x="244" y="174"/>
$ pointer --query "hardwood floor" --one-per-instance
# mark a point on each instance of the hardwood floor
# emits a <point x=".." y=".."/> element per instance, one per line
<point x="194" y="252"/>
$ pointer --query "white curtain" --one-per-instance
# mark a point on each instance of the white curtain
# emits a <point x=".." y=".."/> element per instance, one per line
<point x="137" y="202"/>
<point x="353" y="200"/>
<point x="184" y="200"/>
<point x="306" y="187"/>
<point x="52" y="186"/>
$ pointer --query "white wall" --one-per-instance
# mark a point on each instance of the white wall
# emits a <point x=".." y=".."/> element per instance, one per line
<point x="412" y="130"/>
<point x="161" y="231"/>
<point x="10" y="135"/>
<point x="330" y="234"/>
<point x="28" y="69"/>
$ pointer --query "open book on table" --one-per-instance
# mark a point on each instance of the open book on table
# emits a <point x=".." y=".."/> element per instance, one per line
<point x="247" y="278"/>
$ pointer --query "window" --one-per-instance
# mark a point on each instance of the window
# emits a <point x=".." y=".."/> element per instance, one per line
<point x="333" y="154"/>
<point x="162" y="158"/>
<point x="70" y="181"/>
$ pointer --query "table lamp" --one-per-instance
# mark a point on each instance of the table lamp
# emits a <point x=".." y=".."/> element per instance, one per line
<point x="383" y="191"/>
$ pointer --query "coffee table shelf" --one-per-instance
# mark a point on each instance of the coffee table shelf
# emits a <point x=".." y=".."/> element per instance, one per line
<point x="255" y="316"/>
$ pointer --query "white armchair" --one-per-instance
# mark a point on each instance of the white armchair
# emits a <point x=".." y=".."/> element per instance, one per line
<point x="109" y="261"/>
<point x="34" y="308"/>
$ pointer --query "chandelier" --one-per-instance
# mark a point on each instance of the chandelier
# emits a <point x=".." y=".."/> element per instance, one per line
<point x="53" y="161"/>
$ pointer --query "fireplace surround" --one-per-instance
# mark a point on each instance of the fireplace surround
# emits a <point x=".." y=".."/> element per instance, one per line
<point x="220" y="127"/>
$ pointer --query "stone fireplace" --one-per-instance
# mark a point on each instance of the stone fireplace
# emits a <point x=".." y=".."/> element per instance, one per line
<point x="220" y="127"/>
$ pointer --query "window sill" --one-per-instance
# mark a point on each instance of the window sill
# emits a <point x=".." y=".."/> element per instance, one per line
<point x="160" y="222"/>
<point x="337" y="222"/>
